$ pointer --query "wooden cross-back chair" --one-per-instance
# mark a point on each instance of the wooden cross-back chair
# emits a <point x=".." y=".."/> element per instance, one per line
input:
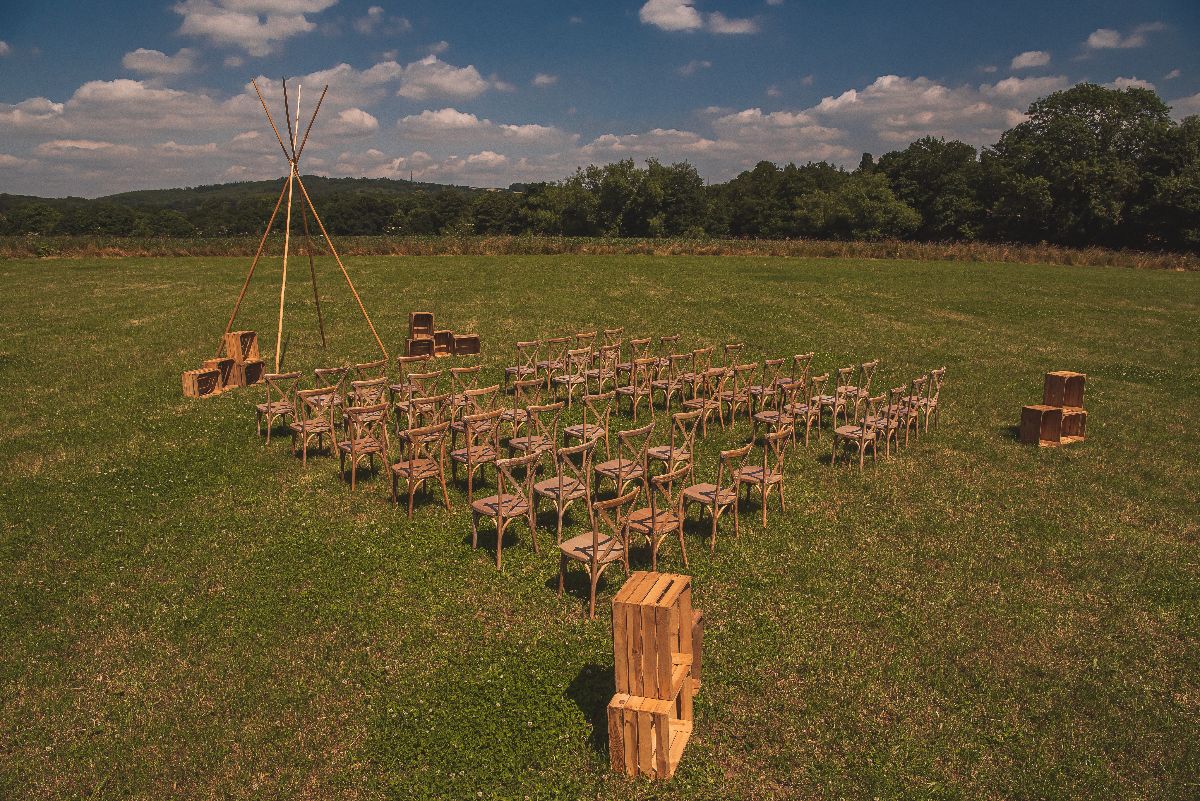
<point x="572" y="481"/>
<point x="481" y="446"/>
<point x="767" y="475"/>
<point x="513" y="500"/>
<point x="638" y="389"/>
<point x="770" y="380"/>
<point x="463" y="379"/>
<point x="693" y="376"/>
<point x="631" y="462"/>
<point x="473" y="401"/>
<point x="420" y="386"/>
<point x="837" y="398"/>
<point x="664" y="514"/>
<point x="731" y="352"/>
<point x="280" y="402"/>
<point x="366" y="438"/>
<point x="860" y="435"/>
<point x="423" y="460"/>
<point x="910" y="417"/>
<point x="681" y="450"/>
<point x="597" y="411"/>
<point x="313" y="419"/>
<point x="526" y="392"/>
<point x="736" y="394"/>
<point x="573" y="376"/>
<point x="772" y="407"/>
<point x="719" y="497"/>
<point x="585" y="339"/>
<point x="427" y="410"/>
<point x="667" y="344"/>
<point x="805" y="406"/>
<point x="889" y="418"/>
<point x="862" y="388"/>
<point x="707" y="397"/>
<point x="365" y="371"/>
<point x="802" y="365"/>
<point x="542" y="434"/>
<point x="555" y="352"/>
<point x="368" y="392"/>
<point x="613" y="336"/>
<point x="929" y="403"/>
<point x="402" y="389"/>
<point x="599" y="548"/>
<point x="527" y="362"/>
<point x="668" y="382"/>
<point x="333" y="378"/>
<point x="639" y="348"/>
<point x="604" y="372"/>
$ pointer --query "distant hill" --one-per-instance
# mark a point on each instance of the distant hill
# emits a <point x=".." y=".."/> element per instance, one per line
<point x="317" y="186"/>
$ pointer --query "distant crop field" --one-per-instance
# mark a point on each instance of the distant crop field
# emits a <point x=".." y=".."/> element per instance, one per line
<point x="186" y="612"/>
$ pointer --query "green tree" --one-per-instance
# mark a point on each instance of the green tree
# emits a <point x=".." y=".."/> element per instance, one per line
<point x="862" y="207"/>
<point x="940" y="180"/>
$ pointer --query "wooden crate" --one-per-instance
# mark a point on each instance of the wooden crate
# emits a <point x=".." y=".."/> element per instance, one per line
<point x="1041" y="425"/>
<point x="420" y="325"/>
<point x="645" y="737"/>
<point x="248" y="373"/>
<point x="242" y="346"/>
<point x="466" y="345"/>
<point x="1074" y="425"/>
<point x="1064" y="388"/>
<point x="443" y="343"/>
<point x="697" y="647"/>
<point x="224" y="365"/>
<point x="202" y="382"/>
<point x="420" y="346"/>
<point x="653" y="636"/>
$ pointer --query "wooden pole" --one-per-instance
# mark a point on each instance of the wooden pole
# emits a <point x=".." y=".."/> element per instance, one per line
<point x="257" y="254"/>
<point x="338" y="259"/>
<point x="316" y="111"/>
<point x="287" y="231"/>
<point x="272" y="121"/>
<point x="312" y="269"/>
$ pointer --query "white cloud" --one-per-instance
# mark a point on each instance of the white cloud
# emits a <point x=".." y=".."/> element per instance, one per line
<point x="432" y="77"/>
<point x="1172" y="75"/>
<point x="1030" y="58"/>
<point x="774" y="2"/>
<point x="453" y="126"/>
<point x="774" y="91"/>
<point x="36" y="112"/>
<point x="353" y="122"/>
<point x="487" y="159"/>
<point x="989" y="68"/>
<point x="437" y="48"/>
<point x="694" y="66"/>
<point x="544" y="79"/>
<point x="1110" y="39"/>
<point x="681" y="15"/>
<point x="255" y="26"/>
<point x="12" y="161"/>
<point x="156" y="62"/>
<point x="1186" y="106"/>
<point x="575" y="20"/>
<point x="4" y="48"/>
<point x="88" y="149"/>
<point x="1129" y="83"/>
<point x="376" y="20"/>
<point x="234" y="61"/>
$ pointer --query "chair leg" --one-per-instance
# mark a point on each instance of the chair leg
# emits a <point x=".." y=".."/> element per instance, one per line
<point x="765" y="489"/>
<point x="712" y="540"/>
<point x="499" y="543"/>
<point x="474" y="529"/>
<point x="592" y="599"/>
<point x="412" y="491"/>
<point x="682" y="544"/>
<point x="562" y="573"/>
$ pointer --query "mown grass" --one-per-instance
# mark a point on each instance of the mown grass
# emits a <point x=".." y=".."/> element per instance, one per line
<point x="187" y="613"/>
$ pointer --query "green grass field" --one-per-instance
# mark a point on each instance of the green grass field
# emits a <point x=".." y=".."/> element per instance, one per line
<point x="186" y="613"/>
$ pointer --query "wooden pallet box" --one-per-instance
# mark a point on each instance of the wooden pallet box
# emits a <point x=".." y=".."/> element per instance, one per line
<point x="242" y="346"/>
<point x="443" y="343"/>
<point x="202" y="382"/>
<point x="420" y="325"/>
<point x="224" y="366"/>
<point x="466" y="345"/>
<point x="1041" y="424"/>
<point x="248" y="373"/>
<point x="645" y="737"/>
<point x="1064" y="388"/>
<point x="419" y="346"/>
<point x="653" y="635"/>
<point x="1074" y="425"/>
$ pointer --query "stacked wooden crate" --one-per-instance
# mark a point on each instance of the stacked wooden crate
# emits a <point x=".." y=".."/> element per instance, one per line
<point x="657" y="639"/>
<point x="240" y="366"/>
<point x="425" y="340"/>
<point x="1060" y="418"/>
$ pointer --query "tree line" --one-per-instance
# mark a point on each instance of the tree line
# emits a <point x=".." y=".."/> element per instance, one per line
<point x="1090" y="166"/>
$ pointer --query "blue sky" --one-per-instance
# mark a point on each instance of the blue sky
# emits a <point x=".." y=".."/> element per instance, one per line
<point x="101" y="97"/>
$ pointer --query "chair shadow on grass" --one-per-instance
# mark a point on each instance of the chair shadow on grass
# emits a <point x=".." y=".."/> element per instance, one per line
<point x="591" y="690"/>
<point x="1011" y="432"/>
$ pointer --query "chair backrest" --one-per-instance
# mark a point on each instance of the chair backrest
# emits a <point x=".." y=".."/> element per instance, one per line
<point x="368" y="392"/>
<point x="612" y="515"/>
<point x="556" y="348"/>
<point x="480" y="399"/>
<point x="426" y="442"/>
<point x="527" y="392"/>
<point x="802" y="366"/>
<point x="711" y="383"/>
<point x="613" y="336"/>
<point x="543" y="422"/>
<point x="667" y="343"/>
<point x="507" y="482"/>
<point x="406" y="363"/>
<point x="728" y="464"/>
<point x="772" y="373"/>
<point x="642" y="374"/>
<point x="866" y="371"/>
<point x="896" y="399"/>
<point x="424" y="384"/>
<point x="732" y="351"/>
<point x="936" y="379"/>
<point x="845" y="379"/>
<point x="917" y="389"/>
<point x="333" y="377"/>
<point x="281" y="387"/>
<point x="639" y="348"/>
<point x="427" y="410"/>
<point x="482" y="429"/>
<point x="666" y="490"/>
<point x="633" y="443"/>
<point x="370" y="370"/>
<point x="598" y="407"/>
<point x="464" y="378"/>
<point x="368" y="423"/>
<point x="607" y="359"/>
<point x="774" y="448"/>
<point x="702" y="359"/>
<point x="677" y="365"/>
<point x="874" y="404"/>
<point x="566" y="468"/>
<point x="528" y="353"/>
<point x="683" y="435"/>
<point x="585" y="339"/>
<point x="313" y="405"/>
<point x="743" y="375"/>
<point x="577" y="360"/>
<point x="816" y="387"/>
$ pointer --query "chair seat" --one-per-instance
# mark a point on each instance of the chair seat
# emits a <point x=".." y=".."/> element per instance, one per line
<point x="882" y="422"/>
<point x="507" y="505"/>
<point x="311" y="426"/>
<point x="773" y="418"/>
<point x="705" y="494"/>
<point x="571" y="488"/>
<point x="476" y="454"/>
<point x="577" y="432"/>
<point x="662" y="453"/>
<point x="415" y="469"/>
<point x="361" y="446"/>
<point x="646" y="521"/>
<point x="569" y="379"/>
<point x="800" y="409"/>
<point x="826" y="400"/>
<point x="701" y="403"/>
<point x="619" y="469"/>
<point x="531" y="442"/>
<point x="853" y="432"/>
<point x="754" y="474"/>
<point x="514" y="415"/>
<point x="274" y="407"/>
<point x="520" y="370"/>
<point x="580" y="548"/>
<point x="633" y="390"/>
